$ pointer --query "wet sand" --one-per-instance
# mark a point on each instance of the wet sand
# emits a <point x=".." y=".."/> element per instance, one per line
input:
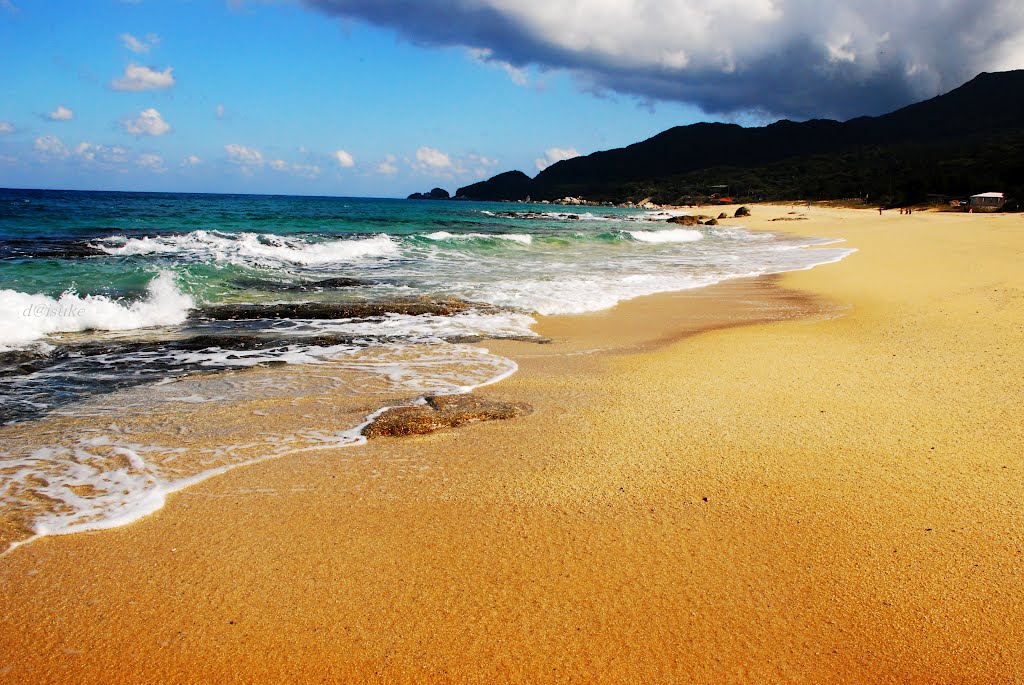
<point x="811" y="478"/>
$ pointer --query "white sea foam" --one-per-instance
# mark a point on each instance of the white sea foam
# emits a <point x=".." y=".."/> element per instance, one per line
<point x="580" y="295"/>
<point x="671" y="235"/>
<point x="514" y="237"/>
<point x="103" y="480"/>
<point x="428" y="327"/>
<point x="25" y="318"/>
<point x="252" y="248"/>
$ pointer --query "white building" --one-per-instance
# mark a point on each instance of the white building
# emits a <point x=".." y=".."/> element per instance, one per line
<point x="987" y="202"/>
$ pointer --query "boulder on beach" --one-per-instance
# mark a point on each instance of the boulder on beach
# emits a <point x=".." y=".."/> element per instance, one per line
<point x="684" y="219"/>
<point x="742" y="211"/>
<point x="442" y="411"/>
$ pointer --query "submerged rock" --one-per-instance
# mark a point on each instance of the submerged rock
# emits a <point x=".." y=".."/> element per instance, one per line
<point x="341" y="282"/>
<point x="442" y="411"/>
<point x="335" y="310"/>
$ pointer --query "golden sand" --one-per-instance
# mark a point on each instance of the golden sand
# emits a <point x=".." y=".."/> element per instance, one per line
<point x="818" y="478"/>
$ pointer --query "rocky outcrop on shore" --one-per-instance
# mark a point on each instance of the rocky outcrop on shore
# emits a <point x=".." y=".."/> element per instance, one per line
<point x="435" y="194"/>
<point x="442" y="411"/>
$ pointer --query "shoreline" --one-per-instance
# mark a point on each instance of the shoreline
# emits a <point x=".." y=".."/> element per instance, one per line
<point x="801" y="499"/>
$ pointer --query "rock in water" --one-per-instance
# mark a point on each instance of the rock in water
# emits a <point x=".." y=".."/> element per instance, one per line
<point x="435" y="194"/>
<point x="442" y="411"/>
<point x="684" y="219"/>
<point x="335" y="310"/>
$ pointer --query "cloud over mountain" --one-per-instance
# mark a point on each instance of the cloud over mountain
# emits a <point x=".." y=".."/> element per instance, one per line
<point x="798" y="58"/>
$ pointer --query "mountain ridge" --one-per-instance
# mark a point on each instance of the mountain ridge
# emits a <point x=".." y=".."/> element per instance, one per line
<point x="941" y="130"/>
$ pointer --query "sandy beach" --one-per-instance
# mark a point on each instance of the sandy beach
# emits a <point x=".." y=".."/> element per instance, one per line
<point x="810" y="478"/>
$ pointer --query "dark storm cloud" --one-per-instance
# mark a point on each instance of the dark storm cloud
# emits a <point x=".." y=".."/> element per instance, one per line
<point x="796" y="58"/>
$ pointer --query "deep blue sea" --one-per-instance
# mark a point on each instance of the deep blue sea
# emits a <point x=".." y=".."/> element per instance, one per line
<point x="106" y="298"/>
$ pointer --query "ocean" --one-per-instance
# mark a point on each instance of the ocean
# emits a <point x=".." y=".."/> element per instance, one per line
<point x="129" y="319"/>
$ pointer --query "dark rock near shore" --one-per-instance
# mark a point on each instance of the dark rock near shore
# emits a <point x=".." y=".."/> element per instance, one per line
<point x="435" y="194"/>
<point x="328" y="283"/>
<point x="47" y="248"/>
<point x="335" y="310"/>
<point x="742" y="211"/>
<point x="685" y="220"/>
<point x="711" y="222"/>
<point x="442" y="411"/>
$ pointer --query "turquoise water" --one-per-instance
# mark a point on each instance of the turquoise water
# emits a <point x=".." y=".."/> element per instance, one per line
<point x="128" y="318"/>
<point x="100" y="291"/>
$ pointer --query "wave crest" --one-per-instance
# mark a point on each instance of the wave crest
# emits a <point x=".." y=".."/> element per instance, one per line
<point x="252" y="248"/>
<point x="672" y="235"/>
<point x="25" y="318"/>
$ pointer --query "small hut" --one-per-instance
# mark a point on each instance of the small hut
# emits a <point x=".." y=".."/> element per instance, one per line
<point x="987" y="202"/>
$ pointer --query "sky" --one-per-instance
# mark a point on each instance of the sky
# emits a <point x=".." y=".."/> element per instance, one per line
<point x="382" y="98"/>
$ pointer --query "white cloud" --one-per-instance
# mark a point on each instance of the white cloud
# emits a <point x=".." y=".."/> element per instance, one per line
<point x="344" y="159"/>
<point x="191" y="161"/>
<point x="555" y="154"/>
<point x="240" y="154"/>
<point x="62" y="113"/>
<point x="137" y="77"/>
<point x="6" y="127"/>
<point x="220" y="111"/>
<point x="51" y="147"/>
<point x="151" y="162"/>
<point x="140" y="46"/>
<point x="148" y="123"/>
<point x="477" y="165"/>
<point x="485" y="56"/>
<point x="433" y="162"/>
<point x="388" y="166"/>
<point x="792" y="57"/>
<point x="433" y="158"/>
<point x="106" y="155"/>
<point x="303" y="170"/>
<point x="306" y="170"/>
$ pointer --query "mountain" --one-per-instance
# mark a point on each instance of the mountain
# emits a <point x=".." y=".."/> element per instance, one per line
<point x="511" y="185"/>
<point x="951" y="144"/>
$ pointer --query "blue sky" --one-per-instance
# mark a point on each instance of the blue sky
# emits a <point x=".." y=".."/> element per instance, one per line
<point x="387" y="97"/>
<point x="264" y="95"/>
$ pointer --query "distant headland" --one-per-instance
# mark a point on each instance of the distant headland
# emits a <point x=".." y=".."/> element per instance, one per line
<point x="967" y="141"/>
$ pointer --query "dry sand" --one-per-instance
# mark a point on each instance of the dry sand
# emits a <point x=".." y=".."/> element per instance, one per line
<point x="832" y="492"/>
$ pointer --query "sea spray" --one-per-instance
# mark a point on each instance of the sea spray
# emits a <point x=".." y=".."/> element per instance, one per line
<point x="25" y="317"/>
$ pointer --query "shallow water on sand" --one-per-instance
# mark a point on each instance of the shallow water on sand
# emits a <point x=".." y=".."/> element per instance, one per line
<point x="127" y="320"/>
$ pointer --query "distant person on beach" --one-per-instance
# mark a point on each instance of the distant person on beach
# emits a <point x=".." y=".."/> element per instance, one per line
<point x="879" y="211"/>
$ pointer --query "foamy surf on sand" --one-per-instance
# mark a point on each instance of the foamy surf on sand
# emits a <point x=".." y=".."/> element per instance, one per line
<point x="136" y="311"/>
